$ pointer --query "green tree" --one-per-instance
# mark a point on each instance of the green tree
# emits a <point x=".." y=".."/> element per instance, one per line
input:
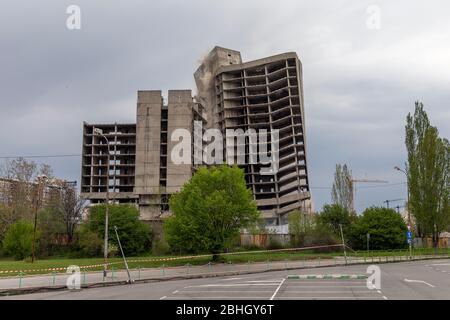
<point x="386" y="228"/>
<point x="135" y="235"/>
<point x="335" y="215"/>
<point x="342" y="190"/>
<point x="428" y="174"/>
<point x="299" y="227"/>
<point x="18" y="241"/>
<point x="210" y="210"/>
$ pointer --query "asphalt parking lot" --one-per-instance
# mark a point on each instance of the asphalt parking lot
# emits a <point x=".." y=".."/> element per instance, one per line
<point x="429" y="279"/>
<point x="278" y="289"/>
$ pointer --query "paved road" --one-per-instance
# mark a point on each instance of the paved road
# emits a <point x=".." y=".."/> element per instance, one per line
<point x="50" y="279"/>
<point x="428" y="279"/>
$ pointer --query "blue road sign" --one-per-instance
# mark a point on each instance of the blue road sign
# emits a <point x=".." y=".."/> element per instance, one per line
<point x="409" y="235"/>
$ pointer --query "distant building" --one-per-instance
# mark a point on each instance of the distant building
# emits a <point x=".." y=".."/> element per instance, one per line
<point x="265" y="94"/>
<point x="11" y="188"/>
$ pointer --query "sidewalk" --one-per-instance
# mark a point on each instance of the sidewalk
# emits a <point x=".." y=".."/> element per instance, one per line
<point x="58" y="280"/>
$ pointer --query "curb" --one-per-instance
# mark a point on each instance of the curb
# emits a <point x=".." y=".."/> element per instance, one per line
<point x="327" y="276"/>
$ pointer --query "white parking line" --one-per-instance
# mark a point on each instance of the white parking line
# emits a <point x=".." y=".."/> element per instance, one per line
<point x="229" y="279"/>
<point x="293" y="283"/>
<point x="224" y="291"/>
<point x="328" y="298"/>
<point x="276" y="291"/>
<point x="301" y="286"/>
<point x="216" y="298"/>
<point x="419" y="281"/>
<point x="234" y="285"/>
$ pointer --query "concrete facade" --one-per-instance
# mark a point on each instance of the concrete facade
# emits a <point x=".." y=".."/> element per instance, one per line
<point x="262" y="94"/>
<point x="141" y="169"/>
<point x="121" y="177"/>
<point x="231" y="94"/>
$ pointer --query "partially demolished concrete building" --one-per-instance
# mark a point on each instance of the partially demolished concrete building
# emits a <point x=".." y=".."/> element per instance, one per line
<point x="231" y="95"/>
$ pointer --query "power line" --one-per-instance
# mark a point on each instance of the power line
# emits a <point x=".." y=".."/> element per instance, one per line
<point x="42" y="156"/>
<point x="365" y="187"/>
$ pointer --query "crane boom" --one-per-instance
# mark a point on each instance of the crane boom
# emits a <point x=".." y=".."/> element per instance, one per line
<point x="353" y="181"/>
<point x="369" y="180"/>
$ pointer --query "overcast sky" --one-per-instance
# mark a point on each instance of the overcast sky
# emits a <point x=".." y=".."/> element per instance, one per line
<point x="359" y="82"/>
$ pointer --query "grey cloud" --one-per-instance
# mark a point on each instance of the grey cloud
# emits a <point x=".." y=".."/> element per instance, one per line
<point x="359" y="84"/>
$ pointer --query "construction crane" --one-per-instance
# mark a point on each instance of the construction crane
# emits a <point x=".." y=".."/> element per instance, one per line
<point x="389" y="201"/>
<point x="399" y="207"/>
<point x="353" y="186"/>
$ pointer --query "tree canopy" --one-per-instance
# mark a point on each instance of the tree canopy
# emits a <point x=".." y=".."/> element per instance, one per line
<point x="342" y="190"/>
<point x="335" y="215"/>
<point x="135" y="235"/>
<point x="428" y="170"/>
<point x="210" y="210"/>
<point x="386" y="228"/>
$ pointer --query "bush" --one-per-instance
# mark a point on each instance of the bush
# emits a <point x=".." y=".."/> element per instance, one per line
<point x="18" y="241"/>
<point x="160" y="247"/>
<point x="89" y="244"/>
<point x="135" y="235"/>
<point x="333" y="216"/>
<point x="386" y="228"/>
<point x="321" y="235"/>
<point x="274" y="243"/>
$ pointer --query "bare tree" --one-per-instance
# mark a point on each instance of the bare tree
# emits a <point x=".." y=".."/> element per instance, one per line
<point x="19" y="169"/>
<point x="18" y="189"/>
<point x="72" y="207"/>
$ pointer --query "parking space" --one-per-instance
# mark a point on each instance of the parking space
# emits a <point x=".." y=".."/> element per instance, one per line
<point x="327" y="289"/>
<point x="295" y="287"/>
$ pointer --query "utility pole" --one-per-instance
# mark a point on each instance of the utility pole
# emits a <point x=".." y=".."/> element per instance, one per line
<point x="37" y="196"/>
<point x="99" y="132"/>
<point x="407" y="206"/>
<point x="343" y="244"/>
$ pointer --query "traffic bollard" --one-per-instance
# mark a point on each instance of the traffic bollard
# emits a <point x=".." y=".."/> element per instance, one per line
<point x="20" y="279"/>
<point x="53" y="278"/>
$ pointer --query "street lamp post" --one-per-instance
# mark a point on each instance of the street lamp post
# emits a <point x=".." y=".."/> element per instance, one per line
<point x="407" y="205"/>
<point x="99" y="132"/>
<point x="37" y="197"/>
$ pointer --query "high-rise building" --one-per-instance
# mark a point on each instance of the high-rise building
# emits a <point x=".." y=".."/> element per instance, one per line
<point x="261" y="94"/>
<point x="265" y="94"/>
<point x="141" y="170"/>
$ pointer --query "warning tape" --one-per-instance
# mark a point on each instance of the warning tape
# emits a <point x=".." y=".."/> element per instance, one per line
<point x="173" y="258"/>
